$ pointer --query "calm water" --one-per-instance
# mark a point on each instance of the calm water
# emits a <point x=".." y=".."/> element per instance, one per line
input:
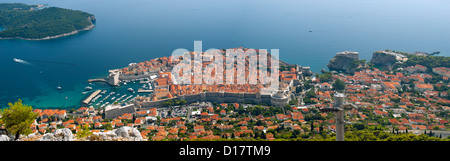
<point x="139" y="30"/>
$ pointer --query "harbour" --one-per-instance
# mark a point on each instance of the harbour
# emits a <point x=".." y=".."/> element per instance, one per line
<point x="123" y="93"/>
<point x="96" y="80"/>
<point x="88" y="100"/>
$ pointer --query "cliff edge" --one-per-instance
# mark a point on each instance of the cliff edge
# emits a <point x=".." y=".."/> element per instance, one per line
<point x="387" y="58"/>
<point x="347" y="61"/>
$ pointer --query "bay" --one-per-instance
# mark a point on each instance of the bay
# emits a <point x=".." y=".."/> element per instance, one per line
<point x="138" y="30"/>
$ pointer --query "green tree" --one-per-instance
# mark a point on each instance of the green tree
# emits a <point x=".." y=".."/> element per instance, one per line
<point x="241" y="110"/>
<point x="167" y="103"/>
<point x="108" y="126"/>
<point x="339" y="85"/>
<point x="18" y="118"/>
<point x="310" y="94"/>
<point x="359" y="126"/>
<point x="448" y="94"/>
<point x="84" y="131"/>
<point x="259" y="123"/>
<point x="293" y="102"/>
<point x="325" y="77"/>
<point x="263" y="136"/>
<point x="183" y="102"/>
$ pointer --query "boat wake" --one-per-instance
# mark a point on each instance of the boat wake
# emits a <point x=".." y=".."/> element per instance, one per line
<point x="53" y="62"/>
<point x="21" y="61"/>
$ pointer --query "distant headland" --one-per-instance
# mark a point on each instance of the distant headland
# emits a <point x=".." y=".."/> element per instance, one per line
<point x="387" y="60"/>
<point x="38" y="22"/>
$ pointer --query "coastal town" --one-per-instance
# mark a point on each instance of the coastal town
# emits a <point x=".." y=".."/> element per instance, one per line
<point x="410" y="100"/>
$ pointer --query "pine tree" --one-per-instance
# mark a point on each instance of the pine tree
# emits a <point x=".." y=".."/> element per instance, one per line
<point x="84" y="131"/>
<point x="256" y="135"/>
<point x="18" y="118"/>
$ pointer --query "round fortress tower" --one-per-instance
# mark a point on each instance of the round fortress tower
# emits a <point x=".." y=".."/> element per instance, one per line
<point x="279" y="99"/>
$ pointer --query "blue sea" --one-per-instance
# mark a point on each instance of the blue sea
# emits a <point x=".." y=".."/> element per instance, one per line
<point x="138" y="30"/>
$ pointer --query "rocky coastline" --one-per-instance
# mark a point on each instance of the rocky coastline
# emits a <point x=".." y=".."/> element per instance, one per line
<point x="347" y="61"/>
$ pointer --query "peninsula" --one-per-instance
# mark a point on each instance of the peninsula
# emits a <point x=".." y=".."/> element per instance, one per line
<point x="37" y="22"/>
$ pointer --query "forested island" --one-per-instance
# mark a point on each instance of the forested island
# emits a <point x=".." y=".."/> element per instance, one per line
<point x="36" y="22"/>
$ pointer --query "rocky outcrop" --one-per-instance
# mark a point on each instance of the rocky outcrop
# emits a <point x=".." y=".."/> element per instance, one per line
<point x="347" y="62"/>
<point x="125" y="133"/>
<point x="58" y="135"/>
<point x="48" y="137"/>
<point x="4" y="138"/>
<point x="383" y="58"/>
<point x="63" y="134"/>
<point x="103" y="136"/>
<point x="129" y="133"/>
<point x="30" y="137"/>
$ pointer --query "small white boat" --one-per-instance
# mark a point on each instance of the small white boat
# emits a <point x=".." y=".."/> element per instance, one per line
<point x="88" y="88"/>
<point x="59" y="87"/>
<point x="130" y="90"/>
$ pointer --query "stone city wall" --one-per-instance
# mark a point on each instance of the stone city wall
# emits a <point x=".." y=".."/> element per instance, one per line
<point x="219" y="97"/>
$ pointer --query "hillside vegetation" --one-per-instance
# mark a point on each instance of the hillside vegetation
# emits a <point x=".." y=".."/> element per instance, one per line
<point x="25" y="21"/>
